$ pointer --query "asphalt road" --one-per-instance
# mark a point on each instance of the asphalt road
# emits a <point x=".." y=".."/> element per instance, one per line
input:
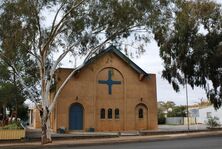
<point x="191" y="143"/>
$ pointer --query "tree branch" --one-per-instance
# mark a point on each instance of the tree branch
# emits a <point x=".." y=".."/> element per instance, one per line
<point x="60" y="58"/>
<point x="55" y="17"/>
<point x="59" y="26"/>
<point x="60" y="89"/>
<point x="53" y="69"/>
<point x="94" y="50"/>
<point x="25" y="87"/>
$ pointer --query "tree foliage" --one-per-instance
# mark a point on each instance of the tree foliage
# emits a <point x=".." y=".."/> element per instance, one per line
<point x="12" y="96"/>
<point x="166" y="106"/>
<point x="177" y="111"/>
<point x="163" y="109"/>
<point x="191" y="47"/>
<point x="169" y="109"/>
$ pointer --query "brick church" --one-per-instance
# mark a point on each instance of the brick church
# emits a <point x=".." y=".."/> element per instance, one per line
<point x="108" y="92"/>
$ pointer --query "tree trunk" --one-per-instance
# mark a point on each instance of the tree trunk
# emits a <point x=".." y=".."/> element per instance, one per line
<point x="46" y="134"/>
<point x="16" y="93"/>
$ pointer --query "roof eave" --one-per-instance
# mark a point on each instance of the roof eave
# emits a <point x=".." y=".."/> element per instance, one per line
<point x="118" y="53"/>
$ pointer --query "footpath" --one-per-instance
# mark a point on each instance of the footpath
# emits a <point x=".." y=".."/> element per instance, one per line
<point x="86" y="139"/>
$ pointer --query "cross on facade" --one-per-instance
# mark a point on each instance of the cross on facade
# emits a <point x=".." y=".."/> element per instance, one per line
<point x="109" y="82"/>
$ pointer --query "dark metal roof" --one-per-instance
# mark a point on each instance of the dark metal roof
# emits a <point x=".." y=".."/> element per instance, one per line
<point x="119" y="54"/>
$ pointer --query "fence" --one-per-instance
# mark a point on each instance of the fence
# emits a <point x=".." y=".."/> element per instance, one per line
<point x="6" y="134"/>
<point x="180" y="120"/>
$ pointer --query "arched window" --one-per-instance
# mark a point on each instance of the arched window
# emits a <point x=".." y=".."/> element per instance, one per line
<point x="110" y="113"/>
<point x="140" y="113"/>
<point x="116" y="113"/>
<point x="102" y="114"/>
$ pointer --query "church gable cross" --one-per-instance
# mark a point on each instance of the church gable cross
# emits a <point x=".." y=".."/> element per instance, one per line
<point x="109" y="82"/>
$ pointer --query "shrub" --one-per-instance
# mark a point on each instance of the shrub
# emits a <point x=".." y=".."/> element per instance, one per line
<point x="213" y="122"/>
<point x="14" y="125"/>
<point x="161" y="119"/>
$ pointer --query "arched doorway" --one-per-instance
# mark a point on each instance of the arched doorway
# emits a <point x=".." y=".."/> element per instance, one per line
<point x="76" y="117"/>
<point x="141" y="113"/>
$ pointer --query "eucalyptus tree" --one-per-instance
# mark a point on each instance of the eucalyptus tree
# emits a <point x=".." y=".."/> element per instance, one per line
<point x="191" y="47"/>
<point x="46" y="31"/>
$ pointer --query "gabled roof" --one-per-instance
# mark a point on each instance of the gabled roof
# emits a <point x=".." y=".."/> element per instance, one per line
<point x="114" y="50"/>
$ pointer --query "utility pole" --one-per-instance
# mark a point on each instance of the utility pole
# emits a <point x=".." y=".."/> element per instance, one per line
<point x="188" y="121"/>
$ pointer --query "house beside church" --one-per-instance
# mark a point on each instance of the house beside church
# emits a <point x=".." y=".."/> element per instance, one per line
<point x="206" y="112"/>
<point x="108" y="92"/>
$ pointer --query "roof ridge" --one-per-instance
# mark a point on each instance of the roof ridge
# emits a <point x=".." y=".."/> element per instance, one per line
<point x="120" y="54"/>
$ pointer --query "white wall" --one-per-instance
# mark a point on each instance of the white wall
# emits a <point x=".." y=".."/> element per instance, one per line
<point x="203" y="114"/>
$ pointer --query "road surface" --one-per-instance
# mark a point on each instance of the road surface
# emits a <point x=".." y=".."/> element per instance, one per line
<point x="214" y="142"/>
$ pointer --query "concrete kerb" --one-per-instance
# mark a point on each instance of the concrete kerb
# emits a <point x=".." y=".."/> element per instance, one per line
<point x="102" y="141"/>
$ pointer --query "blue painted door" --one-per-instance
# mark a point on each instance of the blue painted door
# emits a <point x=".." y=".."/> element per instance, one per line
<point x="76" y="117"/>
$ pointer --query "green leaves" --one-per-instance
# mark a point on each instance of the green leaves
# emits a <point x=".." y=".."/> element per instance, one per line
<point x="190" y="52"/>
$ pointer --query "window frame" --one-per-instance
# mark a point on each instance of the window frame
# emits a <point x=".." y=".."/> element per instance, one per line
<point x="140" y="113"/>
<point x="117" y="113"/>
<point x="209" y="114"/>
<point x="102" y="113"/>
<point x="110" y="114"/>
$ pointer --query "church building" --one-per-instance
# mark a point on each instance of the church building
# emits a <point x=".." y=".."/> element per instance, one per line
<point x="108" y="92"/>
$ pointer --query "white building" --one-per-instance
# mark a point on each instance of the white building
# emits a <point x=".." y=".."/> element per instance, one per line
<point x="206" y="112"/>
